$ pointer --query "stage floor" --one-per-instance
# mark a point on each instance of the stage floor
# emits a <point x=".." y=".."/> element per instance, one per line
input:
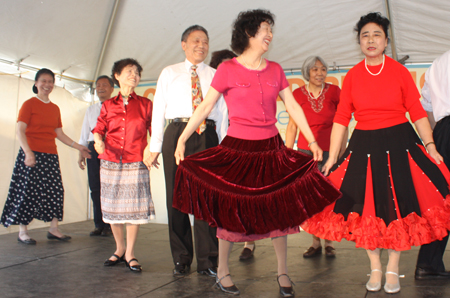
<point x="75" y="269"/>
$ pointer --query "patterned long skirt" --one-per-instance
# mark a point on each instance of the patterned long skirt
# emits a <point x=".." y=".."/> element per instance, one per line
<point x="34" y="192"/>
<point x="125" y="193"/>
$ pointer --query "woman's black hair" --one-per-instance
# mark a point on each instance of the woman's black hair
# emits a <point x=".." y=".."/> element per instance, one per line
<point x="120" y="65"/>
<point x="39" y="73"/>
<point x="246" y="25"/>
<point x="373" y="17"/>
<point x="217" y="57"/>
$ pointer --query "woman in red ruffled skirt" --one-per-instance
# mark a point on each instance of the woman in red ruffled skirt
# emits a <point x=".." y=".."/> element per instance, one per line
<point x="394" y="192"/>
<point x="251" y="186"/>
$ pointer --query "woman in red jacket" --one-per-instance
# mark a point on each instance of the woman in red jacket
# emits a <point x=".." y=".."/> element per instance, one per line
<point x="120" y="139"/>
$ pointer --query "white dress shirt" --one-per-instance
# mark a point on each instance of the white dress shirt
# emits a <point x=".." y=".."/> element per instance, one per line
<point x="173" y="99"/>
<point x="436" y="90"/>
<point x="89" y="122"/>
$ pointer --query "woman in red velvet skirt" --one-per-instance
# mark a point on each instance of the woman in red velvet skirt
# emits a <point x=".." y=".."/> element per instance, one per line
<point x="251" y="186"/>
<point x="394" y="192"/>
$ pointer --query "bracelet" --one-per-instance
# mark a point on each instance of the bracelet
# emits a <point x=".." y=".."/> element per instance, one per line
<point x="71" y="145"/>
<point x="429" y="143"/>
<point x="309" y="145"/>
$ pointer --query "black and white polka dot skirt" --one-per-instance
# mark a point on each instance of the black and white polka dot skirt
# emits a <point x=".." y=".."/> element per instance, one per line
<point x="34" y="193"/>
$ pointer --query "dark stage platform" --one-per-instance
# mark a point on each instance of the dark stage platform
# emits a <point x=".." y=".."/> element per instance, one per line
<point x="75" y="269"/>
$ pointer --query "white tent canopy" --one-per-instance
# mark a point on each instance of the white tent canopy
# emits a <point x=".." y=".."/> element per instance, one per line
<point x="68" y="36"/>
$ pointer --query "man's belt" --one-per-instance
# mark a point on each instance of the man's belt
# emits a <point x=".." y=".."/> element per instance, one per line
<point x="208" y="121"/>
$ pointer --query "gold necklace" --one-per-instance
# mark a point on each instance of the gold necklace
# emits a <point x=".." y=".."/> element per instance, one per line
<point x="246" y="65"/>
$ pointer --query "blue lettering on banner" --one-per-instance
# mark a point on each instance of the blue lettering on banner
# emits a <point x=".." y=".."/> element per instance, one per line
<point x="283" y="118"/>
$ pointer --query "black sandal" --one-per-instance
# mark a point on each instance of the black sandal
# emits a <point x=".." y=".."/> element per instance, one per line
<point x="230" y="290"/>
<point x="118" y="259"/>
<point x="134" y="268"/>
<point x="286" y="291"/>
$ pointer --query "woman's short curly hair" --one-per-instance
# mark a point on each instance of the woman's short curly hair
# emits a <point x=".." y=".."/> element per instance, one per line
<point x="120" y="65"/>
<point x="373" y="17"/>
<point x="246" y="25"/>
<point x="217" y="57"/>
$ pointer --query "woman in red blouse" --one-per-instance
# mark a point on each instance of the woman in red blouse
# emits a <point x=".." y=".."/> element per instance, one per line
<point x="395" y="194"/>
<point x="319" y="102"/>
<point x="120" y="139"/>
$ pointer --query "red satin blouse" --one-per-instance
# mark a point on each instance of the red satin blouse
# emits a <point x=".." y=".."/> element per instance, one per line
<point x="125" y="128"/>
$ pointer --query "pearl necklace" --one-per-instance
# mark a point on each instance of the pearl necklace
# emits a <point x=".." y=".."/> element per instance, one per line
<point x="260" y="60"/>
<point x="42" y="100"/>
<point x="309" y="93"/>
<point x="374" y="74"/>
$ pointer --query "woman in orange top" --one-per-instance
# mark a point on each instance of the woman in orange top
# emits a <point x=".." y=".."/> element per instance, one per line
<point x="36" y="189"/>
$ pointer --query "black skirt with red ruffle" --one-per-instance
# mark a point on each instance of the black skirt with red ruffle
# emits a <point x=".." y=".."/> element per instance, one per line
<point x="252" y="186"/>
<point x="394" y="195"/>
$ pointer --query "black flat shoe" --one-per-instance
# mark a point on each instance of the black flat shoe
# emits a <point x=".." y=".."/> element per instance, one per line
<point x="106" y="231"/>
<point x="96" y="232"/>
<point x="312" y="252"/>
<point x="134" y="268"/>
<point x="428" y="274"/>
<point x="28" y="241"/>
<point x="181" y="270"/>
<point x="63" y="238"/>
<point x="230" y="290"/>
<point x="118" y="259"/>
<point x="211" y="272"/>
<point x="330" y="252"/>
<point x="286" y="291"/>
<point x="247" y="253"/>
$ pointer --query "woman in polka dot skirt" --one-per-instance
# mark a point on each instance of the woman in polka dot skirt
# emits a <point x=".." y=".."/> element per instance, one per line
<point x="36" y="189"/>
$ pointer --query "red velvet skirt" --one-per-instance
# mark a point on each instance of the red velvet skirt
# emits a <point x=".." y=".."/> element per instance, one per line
<point x="252" y="186"/>
<point x="394" y="195"/>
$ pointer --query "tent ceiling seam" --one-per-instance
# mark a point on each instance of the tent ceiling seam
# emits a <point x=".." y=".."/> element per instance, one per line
<point x="105" y="41"/>
<point x="391" y="30"/>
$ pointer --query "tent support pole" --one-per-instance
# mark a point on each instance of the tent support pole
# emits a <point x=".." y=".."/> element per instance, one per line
<point x="105" y="42"/>
<point x="391" y="31"/>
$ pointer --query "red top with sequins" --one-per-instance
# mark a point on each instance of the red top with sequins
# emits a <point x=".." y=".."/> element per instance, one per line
<point x="319" y="113"/>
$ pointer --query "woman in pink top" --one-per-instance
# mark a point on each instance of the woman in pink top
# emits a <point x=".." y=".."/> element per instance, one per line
<point x="251" y="186"/>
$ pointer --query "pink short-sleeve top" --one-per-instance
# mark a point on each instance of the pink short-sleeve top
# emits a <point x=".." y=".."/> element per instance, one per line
<point x="251" y="97"/>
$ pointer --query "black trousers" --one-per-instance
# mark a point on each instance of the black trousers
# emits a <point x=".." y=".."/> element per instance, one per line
<point x="430" y="255"/>
<point x="180" y="233"/>
<point x="93" y="169"/>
